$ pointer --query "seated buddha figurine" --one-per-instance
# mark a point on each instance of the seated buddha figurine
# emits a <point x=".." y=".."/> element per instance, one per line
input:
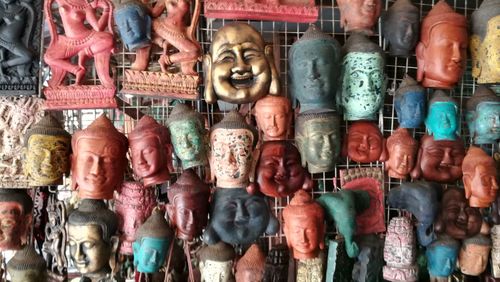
<point x="16" y="208"/>
<point x="483" y="116"/>
<point x="274" y="117"/>
<point x="409" y="103"/>
<point x="401" y="150"/>
<point x="442" y="117"/>
<point x="479" y="177"/>
<point x="364" y="142"/>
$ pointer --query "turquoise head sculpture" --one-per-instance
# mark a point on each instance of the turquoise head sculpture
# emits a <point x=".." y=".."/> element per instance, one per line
<point x="442" y="256"/>
<point x="483" y="116"/>
<point x="363" y="79"/>
<point x="442" y="117"/>
<point x="152" y="242"/>
<point x="314" y="63"/>
<point x="409" y="103"/>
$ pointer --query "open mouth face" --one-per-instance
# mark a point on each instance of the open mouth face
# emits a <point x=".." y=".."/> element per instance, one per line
<point x="242" y="81"/>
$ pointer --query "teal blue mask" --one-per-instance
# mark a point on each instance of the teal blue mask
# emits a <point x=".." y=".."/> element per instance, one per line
<point x="442" y="121"/>
<point x="188" y="142"/>
<point x="150" y="254"/>
<point x="484" y="123"/>
<point x="441" y="259"/>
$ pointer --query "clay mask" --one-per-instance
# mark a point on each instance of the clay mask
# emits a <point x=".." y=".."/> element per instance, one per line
<point x="134" y="24"/>
<point x="15" y="218"/>
<point x="364" y="142"/>
<point x="474" y="254"/>
<point x="442" y="118"/>
<point x="480" y="178"/>
<point x="442" y="257"/>
<point x="216" y="262"/>
<point x="483" y="116"/>
<point x="409" y="103"/>
<point x="401" y="27"/>
<point x="359" y="15"/>
<point x="402" y="150"/>
<point x="274" y="116"/>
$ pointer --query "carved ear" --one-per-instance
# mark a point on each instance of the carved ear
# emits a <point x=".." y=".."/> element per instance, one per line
<point x="322" y="242"/>
<point x="467" y="185"/>
<point x="210" y="236"/>
<point x="420" y="51"/>
<point x="417" y="171"/>
<point x="211" y="176"/>
<point x="384" y="156"/>
<point x="273" y="226"/>
<point x="114" y="241"/>
<point x="308" y="183"/>
<point x="274" y="88"/>
<point x="209" y="94"/>
<point x="171" y="213"/>
<point x="74" y="185"/>
<point x="169" y="150"/>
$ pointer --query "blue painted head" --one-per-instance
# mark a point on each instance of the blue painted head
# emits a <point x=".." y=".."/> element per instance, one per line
<point x="483" y="116"/>
<point x="442" y="118"/>
<point x="134" y="24"/>
<point x="409" y="103"/>
<point x="442" y="256"/>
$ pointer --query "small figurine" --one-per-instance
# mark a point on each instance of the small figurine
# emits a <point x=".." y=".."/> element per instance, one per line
<point x="15" y="217"/>
<point x="442" y="118"/>
<point x="216" y="262"/>
<point x="484" y="38"/>
<point x="400" y="251"/>
<point x="474" y="254"/>
<point x="483" y="116"/>
<point x="250" y="267"/>
<point x="442" y="50"/>
<point x="439" y="161"/>
<point x="237" y="217"/>
<point x="188" y="135"/>
<point x="314" y="70"/>
<point x="317" y="134"/>
<point x="364" y="142"/>
<point x="232" y="142"/>
<point x="363" y="79"/>
<point x="229" y="75"/>
<point x="442" y="258"/>
<point x="409" y="103"/>
<point x="402" y="150"/>
<point x="150" y="151"/>
<point x="370" y="261"/>
<point x="479" y="177"/>
<point x="27" y="266"/>
<point x="401" y="27"/>
<point x="495" y="251"/>
<point x="359" y="16"/>
<point x="98" y="160"/>
<point x="304" y="227"/>
<point x="46" y="152"/>
<point x="279" y="171"/>
<point x="274" y="117"/>
<point x="276" y="267"/>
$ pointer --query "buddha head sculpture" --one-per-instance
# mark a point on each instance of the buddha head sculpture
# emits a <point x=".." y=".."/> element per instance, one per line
<point x="232" y="142"/>
<point x="237" y="217"/>
<point x="188" y="134"/>
<point x="27" y="266"/>
<point x="495" y="251"/>
<point x="401" y="27"/>
<point x="99" y="159"/>
<point x="304" y="226"/>
<point x="15" y="218"/>
<point x="442" y="258"/>
<point x="240" y="66"/>
<point x="250" y="267"/>
<point x="401" y="150"/>
<point x="456" y="218"/>
<point x="317" y="135"/>
<point x="92" y="240"/>
<point x="314" y="62"/>
<point x="474" y="254"/>
<point x="485" y="36"/>
<point x="363" y="79"/>
<point x="439" y="161"/>
<point x="421" y="199"/>
<point x="442" y="117"/>
<point x="400" y="251"/>
<point x="46" y="152"/>
<point x="409" y="103"/>
<point x="274" y="116"/>
<point x="359" y="15"/>
<point x="134" y="24"/>
<point x="150" y="151"/>
<point x="188" y="205"/>
<point x="152" y="242"/>
<point x="442" y="50"/>
<point x="276" y="268"/>
<point x="364" y="142"/>
<point x="216" y="262"/>
<point x="483" y="116"/>
<point x="479" y="177"/>
<point x="279" y="171"/>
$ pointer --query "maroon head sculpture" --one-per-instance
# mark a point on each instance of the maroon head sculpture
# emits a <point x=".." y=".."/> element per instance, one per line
<point x="480" y="178"/>
<point x="364" y="142"/>
<point x="15" y="218"/>
<point x="400" y="154"/>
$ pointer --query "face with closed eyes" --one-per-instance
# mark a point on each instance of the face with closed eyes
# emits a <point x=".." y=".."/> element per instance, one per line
<point x="410" y="109"/>
<point x="146" y="156"/>
<point x="401" y="160"/>
<point x="473" y="258"/>
<point x="88" y="250"/>
<point x="402" y="30"/>
<point x="459" y="220"/>
<point x="442" y="120"/>
<point x="364" y="142"/>
<point x="441" y="259"/>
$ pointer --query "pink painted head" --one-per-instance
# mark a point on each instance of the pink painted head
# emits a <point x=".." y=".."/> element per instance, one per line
<point x="401" y="150"/>
<point x="274" y="116"/>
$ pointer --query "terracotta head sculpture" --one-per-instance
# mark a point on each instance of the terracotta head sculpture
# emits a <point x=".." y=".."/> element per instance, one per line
<point x="439" y="161"/>
<point x="216" y="262"/>
<point x="188" y="134"/>
<point x="150" y="151"/>
<point x="232" y="142"/>
<point x="456" y="218"/>
<point x="317" y="134"/>
<point x="485" y="36"/>
<point x="442" y="117"/>
<point x="401" y="150"/>
<point x="442" y="50"/>
<point x="46" y="152"/>
<point x="359" y="15"/>
<point x="401" y="27"/>
<point x="27" y="266"/>
<point x="442" y="257"/>
<point x="250" y="267"/>
<point x="480" y="178"/>
<point x="279" y="171"/>
<point x="363" y="79"/>
<point x="99" y="159"/>
<point x="188" y="205"/>
<point x="409" y="103"/>
<point x="92" y="240"/>
<point x="240" y="66"/>
<point x="15" y="218"/>
<point x="483" y="116"/>
<point x="274" y="117"/>
<point x="364" y="142"/>
<point x="314" y="60"/>
<point x="304" y="226"/>
<point x="474" y="254"/>
<point x="400" y="251"/>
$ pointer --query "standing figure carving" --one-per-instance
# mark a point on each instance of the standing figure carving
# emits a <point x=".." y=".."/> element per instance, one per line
<point x="56" y="237"/>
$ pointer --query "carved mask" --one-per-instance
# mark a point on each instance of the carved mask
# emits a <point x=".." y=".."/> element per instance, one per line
<point x="250" y="267"/>
<point x="401" y="27"/>
<point x="279" y="170"/>
<point x="409" y="103"/>
<point x="364" y="142"/>
<point x="239" y="68"/>
<point x="474" y="254"/>
<point x="442" y="118"/>
<point x="402" y="150"/>
<point x="483" y="116"/>
<point x="314" y="61"/>
<point x="363" y="78"/>
<point x="274" y="116"/>
<point x="238" y="217"/>
<point x="359" y="15"/>
<point x="216" y="263"/>
<point x="442" y="50"/>
<point x="15" y="218"/>
<point x="134" y="24"/>
<point x="27" y="266"/>
<point x="442" y="257"/>
<point x="318" y="139"/>
<point x="480" y="178"/>
<point x="400" y="251"/>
